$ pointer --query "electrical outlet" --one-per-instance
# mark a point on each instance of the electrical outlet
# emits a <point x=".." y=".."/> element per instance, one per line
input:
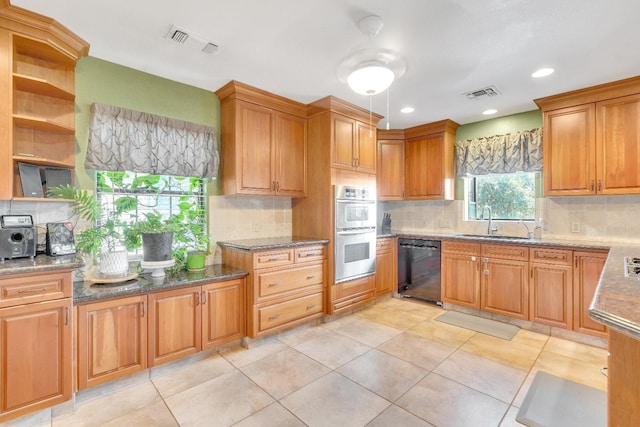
<point x="445" y="223"/>
<point x="575" y="227"/>
<point x="255" y="227"/>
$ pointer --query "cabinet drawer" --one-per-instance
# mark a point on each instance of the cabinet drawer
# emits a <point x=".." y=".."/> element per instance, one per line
<point x="276" y="282"/>
<point x="352" y="302"/>
<point x="352" y="287"/>
<point x="464" y="248"/>
<point x="28" y="288"/>
<point x="506" y="252"/>
<point x="310" y="253"/>
<point x="279" y="314"/>
<point x="551" y="256"/>
<point x="273" y="258"/>
<point x="384" y="245"/>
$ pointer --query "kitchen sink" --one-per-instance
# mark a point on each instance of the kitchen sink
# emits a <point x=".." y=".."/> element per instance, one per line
<point x="486" y="236"/>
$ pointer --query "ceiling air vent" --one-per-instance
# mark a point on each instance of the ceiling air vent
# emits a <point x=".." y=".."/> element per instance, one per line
<point x="487" y="91"/>
<point x="178" y="35"/>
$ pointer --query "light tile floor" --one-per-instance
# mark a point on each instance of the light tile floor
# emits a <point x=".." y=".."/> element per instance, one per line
<point x="389" y="365"/>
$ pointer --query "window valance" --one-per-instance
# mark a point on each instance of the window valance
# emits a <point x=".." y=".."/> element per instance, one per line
<point x="513" y="152"/>
<point x="127" y="140"/>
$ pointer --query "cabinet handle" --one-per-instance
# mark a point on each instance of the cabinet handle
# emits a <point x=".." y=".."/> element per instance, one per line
<point x="485" y="261"/>
<point x="30" y="291"/>
<point x="599" y="185"/>
<point x="532" y="272"/>
<point x="144" y="308"/>
<point x="197" y="298"/>
<point x="66" y="316"/>
<point x="311" y="277"/>
<point x="273" y="186"/>
<point x="543" y="256"/>
<point x="592" y="185"/>
<point x="311" y="306"/>
<point x="576" y="262"/>
<point x="273" y="285"/>
<point x="308" y="254"/>
<point x="274" y="317"/>
<point x="277" y="185"/>
<point x="204" y="297"/>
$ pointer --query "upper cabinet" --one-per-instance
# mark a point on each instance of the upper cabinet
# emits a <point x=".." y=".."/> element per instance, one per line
<point x="264" y="142"/>
<point x="390" y="176"/>
<point x="353" y="145"/>
<point x="427" y="162"/>
<point x="591" y="141"/>
<point x="37" y="75"/>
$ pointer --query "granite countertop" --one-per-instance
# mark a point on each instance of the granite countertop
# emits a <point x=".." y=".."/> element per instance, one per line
<point x="39" y="264"/>
<point x="84" y="291"/>
<point x="617" y="299"/>
<point x="271" y="243"/>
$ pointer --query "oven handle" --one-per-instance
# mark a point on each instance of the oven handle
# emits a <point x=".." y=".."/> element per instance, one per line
<point x="356" y="201"/>
<point x="362" y="231"/>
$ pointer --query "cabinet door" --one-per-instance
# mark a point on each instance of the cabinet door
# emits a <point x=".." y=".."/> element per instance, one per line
<point x="112" y="340"/>
<point x="366" y="148"/>
<point x="618" y="145"/>
<point x="255" y="164"/>
<point x="174" y="324"/>
<point x="505" y="288"/>
<point x="386" y="276"/>
<point x="551" y="299"/>
<point x="461" y="279"/>
<point x="342" y="147"/>
<point x="291" y="155"/>
<point x="423" y="162"/>
<point x="223" y="311"/>
<point x="569" y="147"/>
<point x="587" y="269"/>
<point x="35" y="354"/>
<point x="390" y="172"/>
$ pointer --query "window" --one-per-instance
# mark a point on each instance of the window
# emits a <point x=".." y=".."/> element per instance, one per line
<point x="510" y="196"/>
<point x="164" y="194"/>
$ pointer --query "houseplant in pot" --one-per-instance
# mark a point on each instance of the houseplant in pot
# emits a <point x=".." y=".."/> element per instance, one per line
<point x="154" y="234"/>
<point x="103" y="240"/>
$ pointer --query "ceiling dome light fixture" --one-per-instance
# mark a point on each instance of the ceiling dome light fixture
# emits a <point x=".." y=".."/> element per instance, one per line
<point x="489" y="112"/>
<point x="371" y="70"/>
<point x="407" y="110"/>
<point x="542" y="72"/>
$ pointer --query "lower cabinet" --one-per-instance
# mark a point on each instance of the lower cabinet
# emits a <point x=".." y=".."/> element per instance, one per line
<point x="354" y="293"/>
<point x="587" y="266"/>
<point x="112" y="339"/>
<point x="461" y="273"/>
<point x="551" y="287"/>
<point x="623" y="391"/>
<point x="505" y="284"/>
<point x="386" y="267"/>
<point x="126" y="335"/>
<point x="35" y="357"/>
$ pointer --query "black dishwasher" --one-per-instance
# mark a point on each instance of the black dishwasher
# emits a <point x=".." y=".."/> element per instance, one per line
<point x="419" y="269"/>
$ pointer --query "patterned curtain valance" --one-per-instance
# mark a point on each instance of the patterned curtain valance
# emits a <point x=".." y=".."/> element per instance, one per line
<point x="127" y="140"/>
<point x="513" y="152"/>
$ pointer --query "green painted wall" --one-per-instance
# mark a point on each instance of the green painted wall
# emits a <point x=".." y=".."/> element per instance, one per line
<point x="499" y="126"/>
<point x="108" y="83"/>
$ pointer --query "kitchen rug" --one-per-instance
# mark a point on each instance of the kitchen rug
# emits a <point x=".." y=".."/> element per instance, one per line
<point x="555" y="402"/>
<point x="479" y="324"/>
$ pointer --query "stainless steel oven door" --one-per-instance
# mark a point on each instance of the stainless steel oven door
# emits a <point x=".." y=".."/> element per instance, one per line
<point x="355" y="254"/>
<point x="351" y="214"/>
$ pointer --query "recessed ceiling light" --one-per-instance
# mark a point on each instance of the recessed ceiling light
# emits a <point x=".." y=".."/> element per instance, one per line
<point x="407" y="110"/>
<point x="542" y="72"/>
<point x="489" y="112"/>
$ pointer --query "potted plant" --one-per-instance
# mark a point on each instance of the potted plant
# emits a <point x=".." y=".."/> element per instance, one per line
<point x="104" y="239"/>
<point x="154" y="234"/>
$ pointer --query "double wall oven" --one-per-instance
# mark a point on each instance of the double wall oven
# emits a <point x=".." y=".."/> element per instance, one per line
<point x="355" y="235"/>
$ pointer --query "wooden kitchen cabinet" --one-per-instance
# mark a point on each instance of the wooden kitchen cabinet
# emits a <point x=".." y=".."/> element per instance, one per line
<point x="353" y="145"/>
<point x="175" y="324"/>
<point x="551" y="287"/>
<point x="35" y="342"/>
<point x="390" y="168"/>
<point x="429" y="161"/>
<point x="505" y="284"/>
<point x="264" y="142"/>
<point x="623" y="390"/>
<point x="112" y="339"/>
<point x="223" y="312"/>
<point x="351" y="294"/>
<point x="586" y="274"/>
<point x="37" y="115"/>
<point x="590" y="143"/>
<point x="386" y="266"/>
<point x="461" y="273"/>
<point x="286" y="286"/>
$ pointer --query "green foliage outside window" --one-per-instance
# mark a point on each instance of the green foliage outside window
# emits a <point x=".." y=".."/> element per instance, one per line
<point x="510" y="196"/>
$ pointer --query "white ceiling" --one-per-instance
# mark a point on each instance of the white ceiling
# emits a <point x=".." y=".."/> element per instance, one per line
<point x="294" y="47"/>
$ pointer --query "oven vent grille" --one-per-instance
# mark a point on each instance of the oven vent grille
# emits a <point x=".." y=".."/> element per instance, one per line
<point x="489" y="91"/>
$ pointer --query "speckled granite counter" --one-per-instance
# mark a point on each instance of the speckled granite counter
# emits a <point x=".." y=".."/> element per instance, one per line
<point x="39" y="264"/>
<point x="86" y="292"/>
<point x="271" y="243"/>
<point x="617" y="299"/>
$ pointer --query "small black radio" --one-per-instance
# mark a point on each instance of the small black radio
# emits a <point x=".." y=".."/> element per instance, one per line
<point x="60" y="239"/>
<point x="18" y="237"/>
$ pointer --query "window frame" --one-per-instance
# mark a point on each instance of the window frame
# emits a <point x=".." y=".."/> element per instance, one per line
<point x="471" y="193"/>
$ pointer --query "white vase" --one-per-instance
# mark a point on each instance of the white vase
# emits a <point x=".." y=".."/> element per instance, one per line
<point x="114" y="263"/>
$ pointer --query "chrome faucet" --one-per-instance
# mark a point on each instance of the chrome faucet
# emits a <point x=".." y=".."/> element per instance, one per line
<point x="490" y="229"/>
<point x="529" y="232"/>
